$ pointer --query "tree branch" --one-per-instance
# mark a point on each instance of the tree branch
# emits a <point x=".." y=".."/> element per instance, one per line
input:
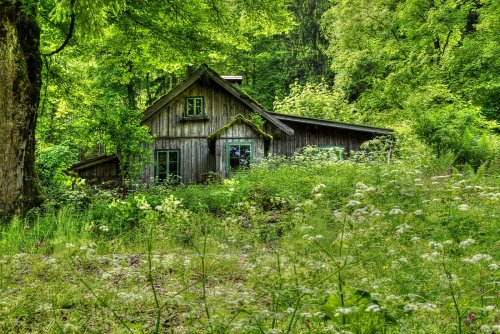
<point x="69" y="35"/>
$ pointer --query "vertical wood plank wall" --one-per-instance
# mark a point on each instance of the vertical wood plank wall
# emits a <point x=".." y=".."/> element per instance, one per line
<point x="190" y="136"/>
<point x="306" y="134"/>
<point x="220" y="107"/>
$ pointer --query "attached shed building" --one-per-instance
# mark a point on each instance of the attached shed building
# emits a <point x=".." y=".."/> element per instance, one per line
<point x="204" y="125"/>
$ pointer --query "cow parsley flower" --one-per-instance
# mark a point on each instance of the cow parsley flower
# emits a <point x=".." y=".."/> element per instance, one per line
<point x="466" y="243"/>
<point x="396" y="211"/>
<point x="415" y="239"/>
<point x="318" y="187"/>
<point x="373" y="308"/>
<point x="477" y="258"/>
<point x="463" y="207"/>
<point x="353" y="203"/>
<point x="435" y="245"/>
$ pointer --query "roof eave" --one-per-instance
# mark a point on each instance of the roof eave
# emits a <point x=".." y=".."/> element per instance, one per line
<point x="335" y="124"/>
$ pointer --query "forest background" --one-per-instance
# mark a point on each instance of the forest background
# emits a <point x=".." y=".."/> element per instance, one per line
<point x="428" y="69"/>
<point x="405" y="242"/>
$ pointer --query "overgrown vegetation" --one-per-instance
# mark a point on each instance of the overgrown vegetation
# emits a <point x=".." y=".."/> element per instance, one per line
<point x="311" y="245"/>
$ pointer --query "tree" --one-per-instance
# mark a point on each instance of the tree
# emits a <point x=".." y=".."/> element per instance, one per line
<point x="431" y="63"/>
<point x="20" y="82"/>
<point x="143" y="33"/>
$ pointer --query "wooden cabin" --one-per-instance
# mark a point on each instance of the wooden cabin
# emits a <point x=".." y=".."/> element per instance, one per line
<point x="204" y="125"/>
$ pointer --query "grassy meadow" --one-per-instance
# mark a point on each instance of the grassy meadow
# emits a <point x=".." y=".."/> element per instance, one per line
<point x="311" y="245"/>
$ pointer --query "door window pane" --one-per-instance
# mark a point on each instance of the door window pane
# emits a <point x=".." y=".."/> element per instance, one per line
<point x="239" y="156"/>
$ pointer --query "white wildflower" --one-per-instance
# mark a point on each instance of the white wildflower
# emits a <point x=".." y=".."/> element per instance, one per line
<point x="345" y="310"/>
<point x="463" y="207"/>
<point x="435" y="245"/>
<point x="466" y="243"/>
<point x="477" y="258"/>
<point x="419" y="307"/>
<point x="353" y="203"/>
<point x="318" y="187"/>
<point x="493" y="266"/>
<point x="104" y="228"/>
<point x="430" y="257"/>
<point x="373" y="308"/>
<point x="358" y="195"/>
<point x="306" y="315"/>
<point x="415" y="239"/>
<point x="489" y="308"/>
<point x="418" y="212"/>
<point x="143" y="204"/>
<point x="401" y="229"/>
<point x="396" y="211"/>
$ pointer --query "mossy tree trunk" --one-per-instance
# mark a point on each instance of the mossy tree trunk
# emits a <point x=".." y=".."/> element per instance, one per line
<point x="20" y="82"/>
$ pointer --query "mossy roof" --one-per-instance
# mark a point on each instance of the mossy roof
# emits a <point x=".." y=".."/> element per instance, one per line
<point x="241" y="118"/>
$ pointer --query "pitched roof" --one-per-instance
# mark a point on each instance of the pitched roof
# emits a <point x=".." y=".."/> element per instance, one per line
<point x="240" y="118"/>
<point x="241" y="96"/>
<point x="92" y="162"/>
<point x="332" y="124"/>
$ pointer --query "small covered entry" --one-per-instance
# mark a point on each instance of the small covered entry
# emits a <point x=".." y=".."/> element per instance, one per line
<point x="236" y="145"/>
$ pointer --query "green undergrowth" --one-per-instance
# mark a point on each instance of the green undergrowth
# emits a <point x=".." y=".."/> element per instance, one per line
<point x="311" y="245"/>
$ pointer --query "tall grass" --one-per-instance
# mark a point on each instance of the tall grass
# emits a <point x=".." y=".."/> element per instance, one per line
<point x="305" y="246"/>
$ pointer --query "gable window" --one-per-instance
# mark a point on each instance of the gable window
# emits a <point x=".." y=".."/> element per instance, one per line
<point x="195" y="106"/>
<point x="238" y="156"/>
<point x="168" y="164"/>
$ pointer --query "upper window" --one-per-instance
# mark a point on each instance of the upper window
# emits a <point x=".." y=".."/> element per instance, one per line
<point x="195" y="106"/>
<point x="168" y="162"/>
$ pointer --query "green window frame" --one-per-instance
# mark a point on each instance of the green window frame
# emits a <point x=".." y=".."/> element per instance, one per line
<point x="338" y="151"/>
<point x="239" y="156"/>
<point x="195" y="106"/>
<point x="167" y="164"/>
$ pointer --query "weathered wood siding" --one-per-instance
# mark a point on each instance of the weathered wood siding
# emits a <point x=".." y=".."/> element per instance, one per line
<point x="107" y="172"/>
<point x="306" y="134"/>
<point x="194" y="158"/>
<point x="220" y="109"/>
<point x="172" y="131"/>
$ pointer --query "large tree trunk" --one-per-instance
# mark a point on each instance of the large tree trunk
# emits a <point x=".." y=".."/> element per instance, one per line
<point x="20" y="82"/>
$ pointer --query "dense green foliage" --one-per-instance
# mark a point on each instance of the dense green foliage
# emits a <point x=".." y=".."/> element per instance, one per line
<point x="428" y="69"/>
<point x="304" y="246"/>
<point x="395" y="239"/>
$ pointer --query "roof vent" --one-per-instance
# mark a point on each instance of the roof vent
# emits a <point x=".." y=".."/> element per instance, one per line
<point x="234" y="79"/>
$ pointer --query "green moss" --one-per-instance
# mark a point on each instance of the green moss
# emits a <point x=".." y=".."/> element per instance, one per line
<point x="235" y="120"/>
